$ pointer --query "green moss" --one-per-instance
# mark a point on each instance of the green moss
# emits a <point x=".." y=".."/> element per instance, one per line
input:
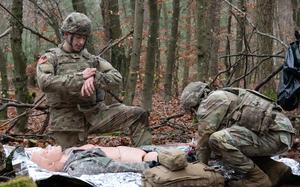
<point x="19" y="182"/>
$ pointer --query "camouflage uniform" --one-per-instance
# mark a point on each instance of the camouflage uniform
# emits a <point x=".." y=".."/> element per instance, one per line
<point x="72" y="116"/>
<point x="232" y="142"/>
<point x="94" y="161"/>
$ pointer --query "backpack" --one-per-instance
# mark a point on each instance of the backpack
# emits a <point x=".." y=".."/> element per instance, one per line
<point x="193" y="175"/>
<point x="289" y="85"/>
<point x="254" y="111"/>
<point x="173" y="159"/>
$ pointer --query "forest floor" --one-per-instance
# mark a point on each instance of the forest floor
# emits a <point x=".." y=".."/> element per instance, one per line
<point x="166" y="128"/>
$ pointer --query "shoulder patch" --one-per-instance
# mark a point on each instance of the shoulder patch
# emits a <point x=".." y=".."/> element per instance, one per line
<point x="42" y="59"/>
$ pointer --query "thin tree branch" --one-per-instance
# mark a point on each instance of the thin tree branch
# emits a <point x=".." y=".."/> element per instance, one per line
<point x="251" y="70"/>
<point x="5" y="32"/>
<point x="112" y="44"/>
<point x="27" y="28"/>
<point x="41" y="9"/>
<point x="268" y="78"/>
<point x="224" y="71"/>
<point x="254" y="27"/>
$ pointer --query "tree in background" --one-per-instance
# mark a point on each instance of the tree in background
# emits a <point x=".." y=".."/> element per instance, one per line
<point x="213" y="20"/>
<point x="20" y="78"/>
<point x="264" y="22"/>
<point x="112" y="29"/>
<point x="188" y="35"/>
<point x="202" y="40"/>
<point x="296" y="13"/>
<point x="4" y="81"/>
<point x="240" y="35"/>
<point x="136" y="51"/>
<point x="171" y="53"/>
<point x="148" y="85"/>
<point x="51" y="13"/>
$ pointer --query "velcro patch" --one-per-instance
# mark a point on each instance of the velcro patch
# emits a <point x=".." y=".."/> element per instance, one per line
<point x="42" y="59"/>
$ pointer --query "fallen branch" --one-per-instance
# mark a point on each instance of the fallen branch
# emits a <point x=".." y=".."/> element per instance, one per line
<point x="167" y="119"/>
<point x="36" y="104"/>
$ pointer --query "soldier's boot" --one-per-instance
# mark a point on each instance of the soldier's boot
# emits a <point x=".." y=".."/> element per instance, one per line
<point x="254" y="178"/>
<point x="277" y="171"/>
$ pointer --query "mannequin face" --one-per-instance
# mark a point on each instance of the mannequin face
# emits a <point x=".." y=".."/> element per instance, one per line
<point x="50" y="158"/>
<point x="52" y="153"/>
<point x="75" y="44"/>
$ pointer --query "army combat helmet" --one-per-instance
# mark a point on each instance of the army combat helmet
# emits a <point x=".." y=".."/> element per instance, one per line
<point x="192" y="94"/>
<point x="77" y="23"/>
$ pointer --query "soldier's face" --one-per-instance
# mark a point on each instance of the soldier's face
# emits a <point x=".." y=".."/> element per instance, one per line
<point x="78" y="42"/>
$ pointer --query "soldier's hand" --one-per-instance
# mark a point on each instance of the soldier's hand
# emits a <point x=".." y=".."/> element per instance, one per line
<point x="88" y="87"/>
<point x="88" y="72"/>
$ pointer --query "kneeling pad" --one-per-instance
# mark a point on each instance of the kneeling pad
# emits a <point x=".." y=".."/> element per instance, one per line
<point x="173" y="159"/>
<point x="193" y="175"/>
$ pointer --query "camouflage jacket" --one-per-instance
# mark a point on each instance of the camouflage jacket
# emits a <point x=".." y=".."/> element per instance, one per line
<point x="59" y="75"/>
<point x="213" y="112"/>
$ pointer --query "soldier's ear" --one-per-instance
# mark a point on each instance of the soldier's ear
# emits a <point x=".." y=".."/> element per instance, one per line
<point x="65" y="35"/>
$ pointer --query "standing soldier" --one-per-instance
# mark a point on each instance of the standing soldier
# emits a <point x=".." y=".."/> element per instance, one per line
<point x="75" y="81"/>
<point x="237" y="124"/>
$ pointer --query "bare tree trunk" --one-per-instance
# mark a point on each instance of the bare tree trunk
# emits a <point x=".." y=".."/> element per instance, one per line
<point x="79" y="6"/>
<point x="227" y="60"/>
<point x="4" y="82"/>
<point x="171" y="55"/>
<point x="158" y="67"/>
<point x="37" y="38"/>
<point x="112" y="29"/>
<point x="240" y="32"/>
<point x="214" y="25"/>
<point x="132" y="9"/>
<point x="296" y="13"/>
<point x="264" y="20"/>
<point x="136" y="51"/>
<point x="202" y="40"/>
<point x="165" y="19"/>
<point x="151" y="55"/>
<point x="20" y="79"/>
<point x="186" y="66"/>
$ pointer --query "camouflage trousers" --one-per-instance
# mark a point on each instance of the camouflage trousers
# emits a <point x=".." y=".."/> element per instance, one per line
<point x="94" y="161"/>
<point x="236" y="144"/>
<point x="71" y="126"/>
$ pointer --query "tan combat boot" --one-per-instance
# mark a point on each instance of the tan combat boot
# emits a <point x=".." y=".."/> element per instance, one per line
<point x="254" y="178"/>
<point x="277" y="171"/>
